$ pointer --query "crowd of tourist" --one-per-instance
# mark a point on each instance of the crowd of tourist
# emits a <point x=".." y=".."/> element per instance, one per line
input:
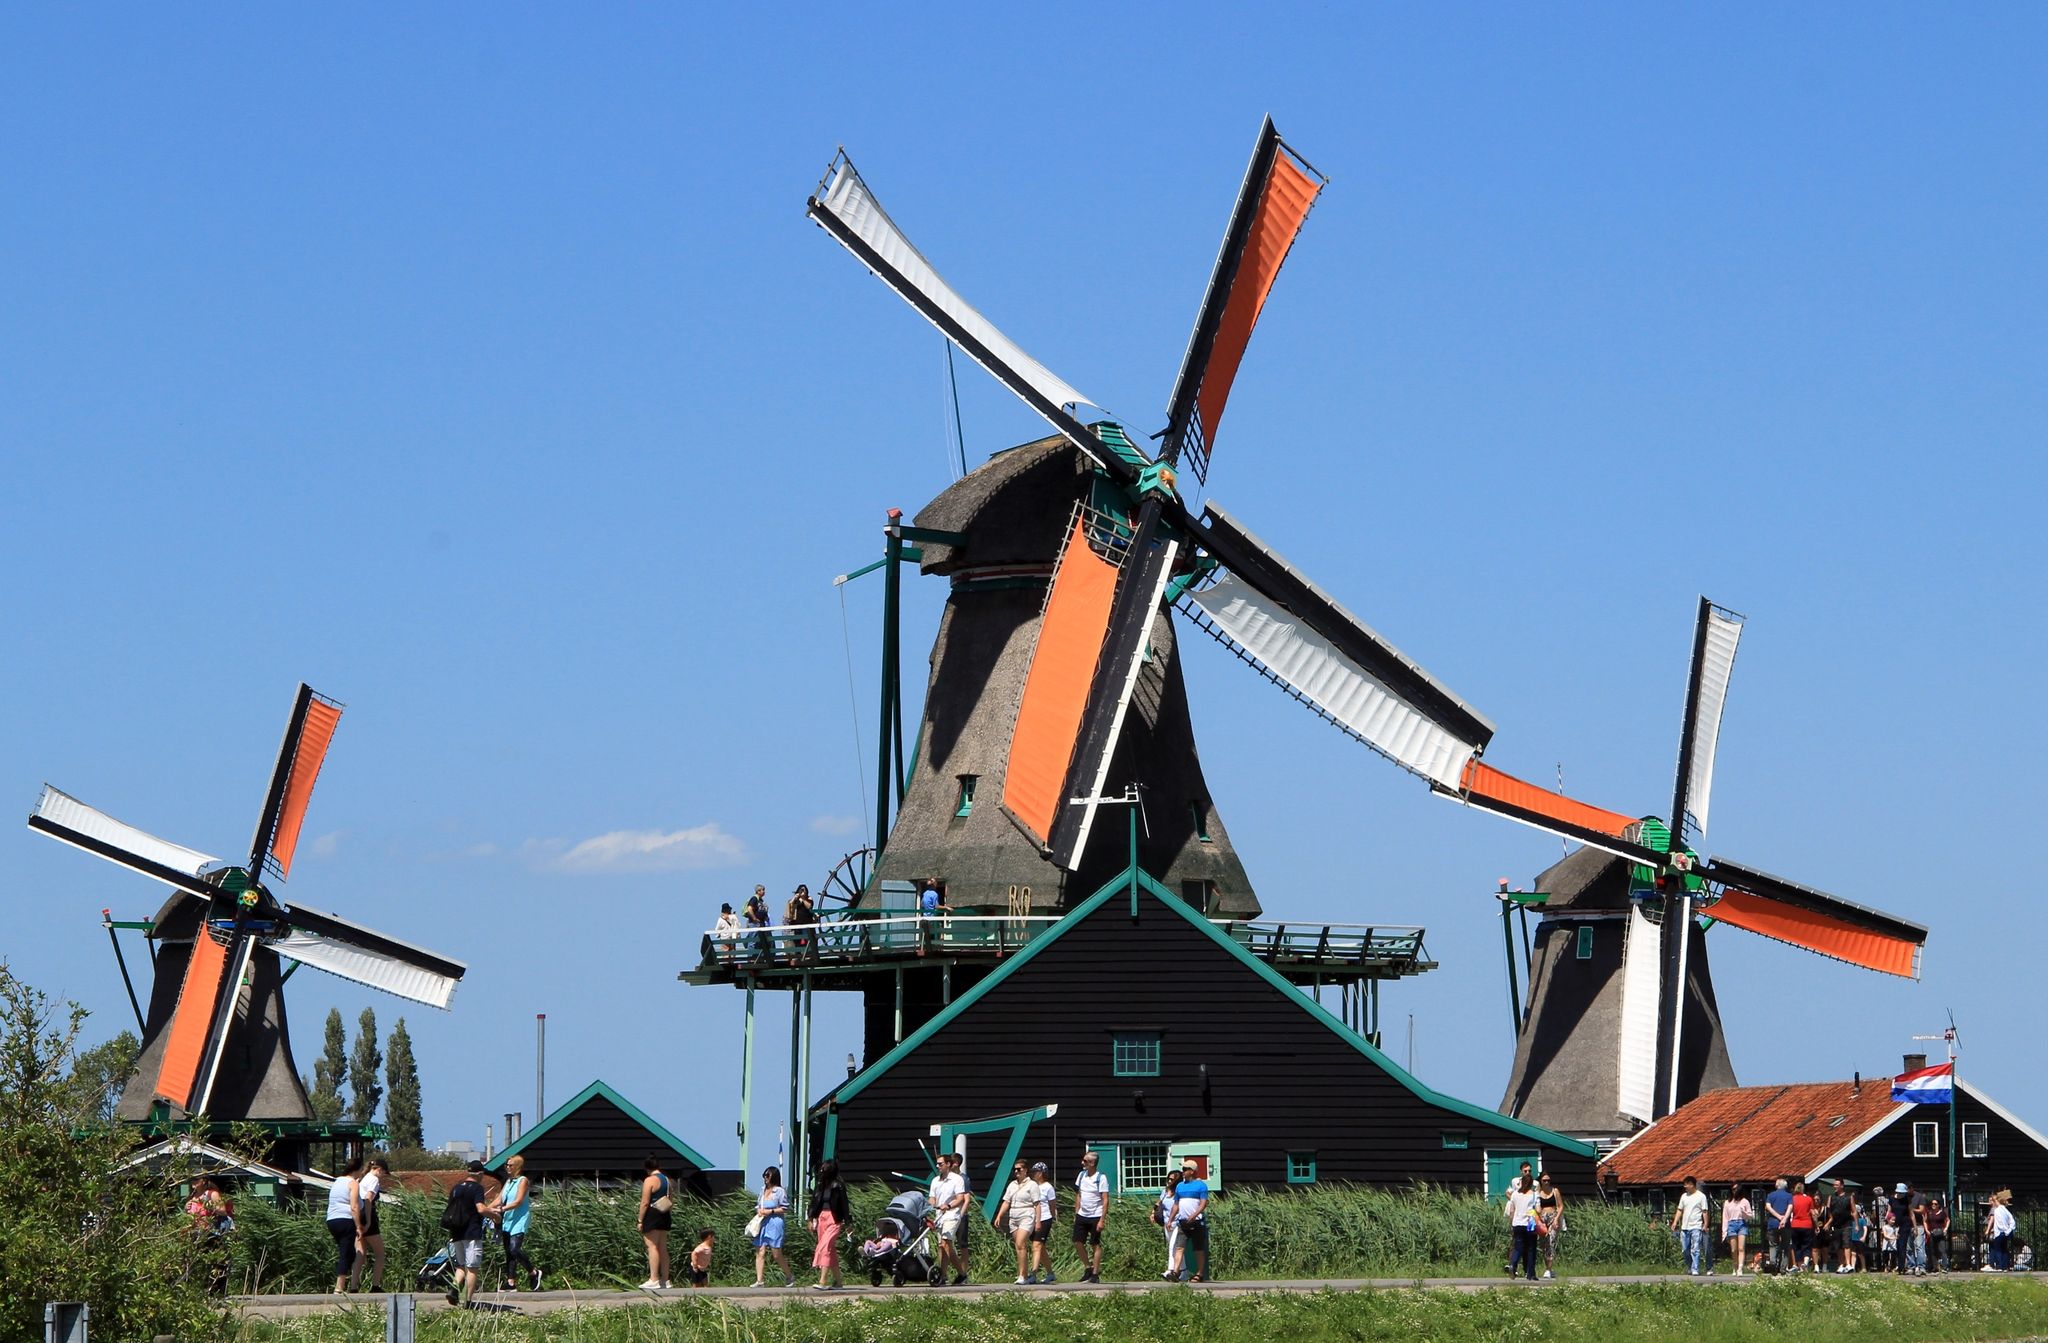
<point x="1837" y="1228"/>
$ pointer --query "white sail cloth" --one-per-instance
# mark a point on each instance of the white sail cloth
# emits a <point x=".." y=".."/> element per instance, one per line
<point x="1642" y="981"/>
<point x="61" y="809"/>
<point x="1717" y="664"/>
<point x="847" y="198"/>
<point x="1295" y="653"/>
<point x="371" y="968"/>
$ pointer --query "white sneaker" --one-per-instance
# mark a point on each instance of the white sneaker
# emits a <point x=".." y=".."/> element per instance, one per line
<point x="651" y="1285"/>
<point x="1548" y="1274"/>
<point x="1020" y="1282"/>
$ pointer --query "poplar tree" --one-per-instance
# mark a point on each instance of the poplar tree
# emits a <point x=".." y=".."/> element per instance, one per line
<point x="365" y="1091"/>
<point x="329" y="1070"/>
<point x="402" y="1102"/>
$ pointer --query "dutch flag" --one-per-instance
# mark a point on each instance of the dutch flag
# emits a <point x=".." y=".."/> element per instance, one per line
<point x="1926" y="1086"/>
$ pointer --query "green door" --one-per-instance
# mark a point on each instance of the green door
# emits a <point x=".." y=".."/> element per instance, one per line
<point x="1504" y="1164"/>
<point x="1105" y="1162"/>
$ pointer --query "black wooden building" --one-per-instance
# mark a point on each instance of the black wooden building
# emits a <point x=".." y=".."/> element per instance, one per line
<point x="599" y="1136"/>
<point x="1152" y="1032"/>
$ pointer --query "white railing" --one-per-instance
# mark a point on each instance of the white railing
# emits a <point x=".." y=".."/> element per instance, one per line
<point x="846" y="937"/>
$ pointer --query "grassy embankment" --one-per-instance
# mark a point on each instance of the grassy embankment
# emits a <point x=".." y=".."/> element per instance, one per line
<point x="582" y="1238"/>
<point x="1812" y="1311"/>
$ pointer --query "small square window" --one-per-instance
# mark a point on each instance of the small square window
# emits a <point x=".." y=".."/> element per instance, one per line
<point x="1134" y="1054"/>
<point x="1586" y="942"/>
<point x="1976" y="1140"/>
<point x="966" y="803"/>
<point x="1141" y="1166"/>
<point x="1926" y="1139"/>
<point x="1456" y="1139"/>
<point x="1301" y="1168"/>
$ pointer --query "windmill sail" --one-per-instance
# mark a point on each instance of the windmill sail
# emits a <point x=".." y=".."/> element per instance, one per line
<point x="1138" y="595"/>
<point x="185" y="1054"/>
<point x="306" y="737"/>
<point x="1814" y="920"/>
<point x="1070" y="638"/>
<point x="1279" y="190"/>
<point x="63" y="817"/>
<point x="1503" y="794"/>
<point x="846" y="209"/>
<point x="1713" y="663"/>
<point x="370" y="958"/>
<point x="1272" y="614"/>
<point x="1641" y="988"/>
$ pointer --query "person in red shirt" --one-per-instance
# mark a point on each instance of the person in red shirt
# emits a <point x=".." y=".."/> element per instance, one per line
<point x="1801" y="1223"/>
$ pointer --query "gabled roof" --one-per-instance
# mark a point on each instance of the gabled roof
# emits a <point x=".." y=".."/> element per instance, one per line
<point x="1753" y="1135"/>
<point x="578" y="1101"/>
<point x="1119" y="888"/>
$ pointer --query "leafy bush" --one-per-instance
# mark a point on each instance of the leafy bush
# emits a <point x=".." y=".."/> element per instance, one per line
<point x="78" y="1225"/>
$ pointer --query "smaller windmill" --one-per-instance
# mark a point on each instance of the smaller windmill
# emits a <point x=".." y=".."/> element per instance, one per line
<point x="218" y="1044"/>
<point x="1663" y="979"/>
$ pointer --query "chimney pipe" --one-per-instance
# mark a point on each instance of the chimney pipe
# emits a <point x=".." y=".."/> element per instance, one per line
<point x="1856" y="1087"/>
<point x="1915" y="1062"/>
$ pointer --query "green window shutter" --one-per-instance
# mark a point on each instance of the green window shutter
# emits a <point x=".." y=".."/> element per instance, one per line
<point x="1586" y="942"/>
<point x="966" y="803"/>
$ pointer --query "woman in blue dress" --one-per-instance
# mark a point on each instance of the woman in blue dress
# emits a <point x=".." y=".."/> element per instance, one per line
<point x="773" y="1210"/>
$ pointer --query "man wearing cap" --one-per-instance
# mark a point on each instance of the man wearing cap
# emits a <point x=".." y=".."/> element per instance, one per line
<point x="1913" y="1230"/>
<point x="1190" y="1213"/>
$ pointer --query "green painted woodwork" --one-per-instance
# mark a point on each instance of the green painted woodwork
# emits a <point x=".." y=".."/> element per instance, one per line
<point x="1016" y="1125"/>
<point x="1117" y="441"/>
<point x="1301" y="1168"/>
<point x="1178" y="588"/>
<point x="1504" y="1166"/>
<point x="1129" y="883"/>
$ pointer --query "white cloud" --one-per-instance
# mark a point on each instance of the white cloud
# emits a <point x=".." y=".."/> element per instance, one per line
<point x="324" y="846"/>
<point x="698" y="846"/>
<point x="835" y="825"/>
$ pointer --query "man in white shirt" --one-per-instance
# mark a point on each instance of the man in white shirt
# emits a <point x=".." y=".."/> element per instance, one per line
<point x="1522" y="1211"/>
<point x="950" y="1201"/>
<point x="1091" y="1209"/>
<point x="1689" y="1220"/>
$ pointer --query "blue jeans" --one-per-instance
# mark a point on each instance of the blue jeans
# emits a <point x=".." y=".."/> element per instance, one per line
<point x="1525" y="1251"/>
<point x="1695" y="1243"/>
<point x="1916" y="1251"/>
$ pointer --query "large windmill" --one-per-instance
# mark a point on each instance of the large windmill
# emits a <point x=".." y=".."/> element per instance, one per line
<point x="215" y="1037"/>
<point x="1071" y="699"/>
<point x="1626" y="1027"/>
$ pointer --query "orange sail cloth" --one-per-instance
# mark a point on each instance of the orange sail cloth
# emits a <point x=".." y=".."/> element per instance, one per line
<point x="321" y="719"/>
<point x="197" y="996"/>
<point x="1282" y="207"/>
<point x="1482" y="780"/>
<point x="1070" y="639"/>
<point x="1817" y="932"/>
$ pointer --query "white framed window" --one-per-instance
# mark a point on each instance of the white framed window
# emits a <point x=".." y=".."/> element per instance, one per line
<point x="1140" y="1166"/>
<point x="1976" y="1140"/>
<point x="1926" y="1139"/>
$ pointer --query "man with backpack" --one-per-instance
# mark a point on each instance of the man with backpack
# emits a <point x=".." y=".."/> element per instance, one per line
<point x="463" y="1220"/>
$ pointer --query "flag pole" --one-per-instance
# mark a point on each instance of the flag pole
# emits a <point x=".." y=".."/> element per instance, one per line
<point x="1955" y="1095"/>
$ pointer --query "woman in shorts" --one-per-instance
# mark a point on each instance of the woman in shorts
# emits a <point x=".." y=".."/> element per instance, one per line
<point x="1735" y="1216"/>
<point x="655" y="1221"/>
<point x="1018" y="1215"/>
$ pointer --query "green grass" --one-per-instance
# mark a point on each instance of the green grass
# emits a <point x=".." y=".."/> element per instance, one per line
<point x="584" y="1238"/>
<point x="1810" y="1311"/>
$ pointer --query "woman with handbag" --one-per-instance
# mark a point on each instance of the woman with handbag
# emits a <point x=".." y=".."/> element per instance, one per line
<point x="656" y="1205"/>
<point x="829" y="1216"/>
<point x="771" y="1215"/>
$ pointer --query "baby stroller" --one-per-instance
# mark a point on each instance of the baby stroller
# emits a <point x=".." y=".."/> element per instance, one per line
<point x="438" y="1272"/>
<point x="901" y="1249"/>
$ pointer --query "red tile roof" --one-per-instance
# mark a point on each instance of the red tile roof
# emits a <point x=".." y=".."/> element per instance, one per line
<point x="1751" y="1135"/>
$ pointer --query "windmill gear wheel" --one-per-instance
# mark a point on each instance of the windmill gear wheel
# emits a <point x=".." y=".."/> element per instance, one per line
<point x="849" y="876"/>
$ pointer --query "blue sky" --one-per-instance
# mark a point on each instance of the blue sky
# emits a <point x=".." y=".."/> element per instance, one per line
<point x="478" y="365"/>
